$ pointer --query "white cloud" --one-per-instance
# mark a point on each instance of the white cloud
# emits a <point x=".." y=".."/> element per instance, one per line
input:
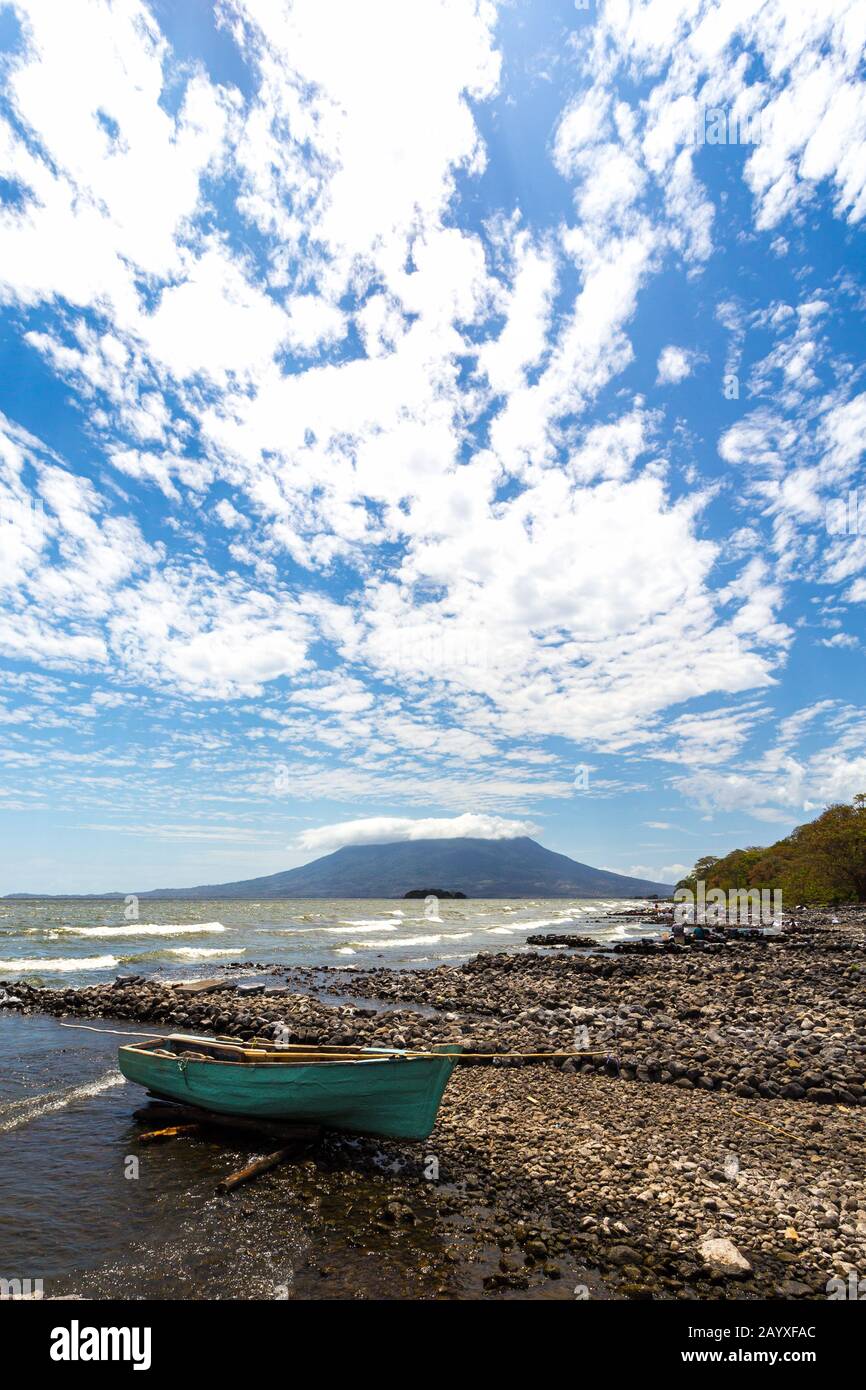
<point x="108" y="594"/>
<point x="229" y="515"/>
<point x="341" y="456"/>
<point x="214" y="322"/>
<point x="376" y="830"/>
<point x="527" y="305"/>
<point x="105" y="205"/>
<point x="312" y="321"/>
<point x="361" y="138"/>
<point x="781" y="785"/>
<point x="810" y="96"/>
<point x="674" y="365"/>
<point x="667" y="873"/>
<point x="841" y="639"/>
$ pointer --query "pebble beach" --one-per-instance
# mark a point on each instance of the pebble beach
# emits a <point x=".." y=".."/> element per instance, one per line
<point x="707" y="1143"/>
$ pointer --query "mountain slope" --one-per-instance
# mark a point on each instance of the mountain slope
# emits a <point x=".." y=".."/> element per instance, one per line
<point x="516" y="868"/>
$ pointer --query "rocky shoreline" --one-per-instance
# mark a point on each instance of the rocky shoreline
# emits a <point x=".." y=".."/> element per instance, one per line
<point x="730" y="1163"/>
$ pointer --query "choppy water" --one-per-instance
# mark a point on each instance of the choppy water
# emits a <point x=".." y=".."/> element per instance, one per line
<point x="85" y="941"/>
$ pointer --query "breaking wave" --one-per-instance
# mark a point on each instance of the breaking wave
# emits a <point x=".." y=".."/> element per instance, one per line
<point x="21" y="1112"/>
<point x="147" y="929"/>
<point x="34" y="966"/>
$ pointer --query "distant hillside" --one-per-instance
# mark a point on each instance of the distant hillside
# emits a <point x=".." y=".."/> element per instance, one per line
<point x="519" y="868"/>
<point x="822" y="861"/>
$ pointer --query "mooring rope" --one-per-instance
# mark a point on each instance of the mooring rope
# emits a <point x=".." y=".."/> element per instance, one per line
<point x="118" y="1032"/>
<point x="410" y="1052"/>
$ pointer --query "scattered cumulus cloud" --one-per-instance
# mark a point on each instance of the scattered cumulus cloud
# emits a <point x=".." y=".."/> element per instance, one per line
<point x="674" y="365"/>
<point x="356" y="456"/>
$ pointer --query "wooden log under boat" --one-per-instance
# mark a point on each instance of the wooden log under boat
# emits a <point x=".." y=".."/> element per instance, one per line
<point x="171" y="1132"/>
<point x="161" y="1111"/>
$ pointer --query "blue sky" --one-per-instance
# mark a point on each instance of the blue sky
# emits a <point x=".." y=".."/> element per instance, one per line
<point x="421" y="420"/>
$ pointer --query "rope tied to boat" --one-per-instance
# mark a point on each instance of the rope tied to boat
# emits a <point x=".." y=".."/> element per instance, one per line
<point x="406" y="1052"/>
<point x="117" y="1032"/>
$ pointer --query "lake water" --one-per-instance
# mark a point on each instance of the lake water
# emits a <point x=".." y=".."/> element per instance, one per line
<point x="83" y="941"/>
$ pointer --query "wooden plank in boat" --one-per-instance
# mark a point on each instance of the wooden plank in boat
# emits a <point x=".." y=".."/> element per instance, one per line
<point x="212" y="1049"/>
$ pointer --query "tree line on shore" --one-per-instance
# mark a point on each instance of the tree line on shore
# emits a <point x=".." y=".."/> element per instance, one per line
<point x="823" y="861"/>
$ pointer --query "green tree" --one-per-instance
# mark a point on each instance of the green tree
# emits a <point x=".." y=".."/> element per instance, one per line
<point x="821" y="861"/>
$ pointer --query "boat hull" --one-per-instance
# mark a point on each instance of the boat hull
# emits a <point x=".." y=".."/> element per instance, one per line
<point x="396" y="1097"/>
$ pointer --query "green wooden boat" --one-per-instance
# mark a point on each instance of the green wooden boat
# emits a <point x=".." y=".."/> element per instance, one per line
<point x="363" y="1090"/>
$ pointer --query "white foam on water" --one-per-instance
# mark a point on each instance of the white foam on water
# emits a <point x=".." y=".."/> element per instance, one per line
<point x="442" y="955"/>
<point x="22" y="1112"/>
<point x="203" y="952"/>
<point x="503" y="931"/>
<point x="405" y="941"/>
<point x="540" y="922"/>
<point x="623" y="929"/>
<point x="149" y="929"/>
<point x="346" y="951"/>
<point x="366" y="924"/>
<point x="35" y="966"/>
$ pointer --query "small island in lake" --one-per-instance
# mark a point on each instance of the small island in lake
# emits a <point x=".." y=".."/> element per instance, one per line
<point x="432" y="893"/>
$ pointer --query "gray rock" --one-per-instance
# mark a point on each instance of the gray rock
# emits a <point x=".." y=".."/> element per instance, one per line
<point x="723" y="1257"/>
